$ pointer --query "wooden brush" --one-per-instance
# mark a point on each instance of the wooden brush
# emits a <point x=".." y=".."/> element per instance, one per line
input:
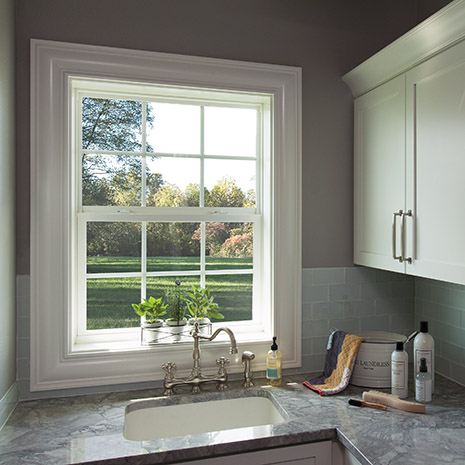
<point x="362" y="403"/>
<point x="393" y="401"/>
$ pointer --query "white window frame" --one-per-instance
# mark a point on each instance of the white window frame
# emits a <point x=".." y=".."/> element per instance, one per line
<point x="260" y="325"/>
<point x="54" y="363"/>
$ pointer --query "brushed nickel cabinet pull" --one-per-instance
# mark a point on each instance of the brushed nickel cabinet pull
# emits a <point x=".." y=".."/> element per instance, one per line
<point x="394" y="233"/>
<point x="402" y="237"/>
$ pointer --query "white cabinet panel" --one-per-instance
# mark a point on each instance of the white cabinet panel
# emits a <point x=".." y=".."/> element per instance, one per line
<point x="379" y="175"/>
<point x="436" y="166"/>
<point x="410" y="155"/>
<point x="317" y="453"/>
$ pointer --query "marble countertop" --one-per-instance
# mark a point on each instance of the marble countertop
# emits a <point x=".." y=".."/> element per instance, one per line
<point x="88" y="429"/>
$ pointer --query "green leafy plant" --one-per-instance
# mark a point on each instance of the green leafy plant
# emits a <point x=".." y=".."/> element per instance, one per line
<point x="152" y="309"/>
<point x="176" y="303"/>
<point x="201" y="305"/>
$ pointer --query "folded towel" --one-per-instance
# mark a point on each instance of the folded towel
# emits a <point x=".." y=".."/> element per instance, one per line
<point x="341" y="353"/>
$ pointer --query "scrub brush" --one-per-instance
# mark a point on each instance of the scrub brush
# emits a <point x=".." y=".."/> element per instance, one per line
<point x="393" y="401"/>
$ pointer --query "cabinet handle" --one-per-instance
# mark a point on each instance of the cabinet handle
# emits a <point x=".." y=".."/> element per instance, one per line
<point x="394" y="233"/>
<point x="402" y="237"/>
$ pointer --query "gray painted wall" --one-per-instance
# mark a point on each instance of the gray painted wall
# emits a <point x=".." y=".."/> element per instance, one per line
<point x="7" y="199"/>
<point x="325" y="38"/>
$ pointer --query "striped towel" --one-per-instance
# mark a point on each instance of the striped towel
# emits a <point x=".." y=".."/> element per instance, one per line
<point x="341" y="353"/>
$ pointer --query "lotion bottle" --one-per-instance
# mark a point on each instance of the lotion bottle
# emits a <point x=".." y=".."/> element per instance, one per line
<point x="423" y="347"/>
<point x="399" y="371"/>
<point x="274" y="365"/>
<point x="423" y="383"/>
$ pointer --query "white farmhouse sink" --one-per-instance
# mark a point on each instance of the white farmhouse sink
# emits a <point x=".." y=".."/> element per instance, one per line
<point x="144" y="420"/>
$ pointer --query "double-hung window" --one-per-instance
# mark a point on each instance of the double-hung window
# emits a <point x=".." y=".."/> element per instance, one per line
<point x="150" y="168"/>
<point x="171" y="186"/>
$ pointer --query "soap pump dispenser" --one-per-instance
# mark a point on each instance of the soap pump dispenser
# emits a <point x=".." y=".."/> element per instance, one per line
<point x="274" y="365"/>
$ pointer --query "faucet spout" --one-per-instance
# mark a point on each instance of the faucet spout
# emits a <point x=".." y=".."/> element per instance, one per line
<point x="233" y="348"/>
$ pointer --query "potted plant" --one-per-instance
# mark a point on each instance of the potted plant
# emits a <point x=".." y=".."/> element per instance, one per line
<point x="176" y="311"/>
<point x="202" y="308"/>
<point x="151" y="310"/>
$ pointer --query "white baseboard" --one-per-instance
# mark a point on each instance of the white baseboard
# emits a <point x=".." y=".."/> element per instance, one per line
<point x="8" y="403"/>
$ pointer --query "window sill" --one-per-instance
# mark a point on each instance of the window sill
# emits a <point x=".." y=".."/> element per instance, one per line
<point x="134" y="345"/>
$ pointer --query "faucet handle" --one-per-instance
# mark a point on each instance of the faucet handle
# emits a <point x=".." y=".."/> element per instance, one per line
<point x="222" y="362"/>
<point x="169" y="367"/>
<point x="222" y="374"/>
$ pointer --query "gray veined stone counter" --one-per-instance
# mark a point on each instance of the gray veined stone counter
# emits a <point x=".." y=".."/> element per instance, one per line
<point x="88" y="429"/>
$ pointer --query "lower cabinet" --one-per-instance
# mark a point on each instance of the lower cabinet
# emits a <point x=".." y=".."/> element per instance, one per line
<point x="315" y="453"/>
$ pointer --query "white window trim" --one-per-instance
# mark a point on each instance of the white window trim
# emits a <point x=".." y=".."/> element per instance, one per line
<point x="52" y="364"/>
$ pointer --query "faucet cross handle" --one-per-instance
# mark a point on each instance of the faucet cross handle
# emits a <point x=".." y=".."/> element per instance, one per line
<point x="222" y="362"/>
<point x="169" y="367"/>
<point x="222" y="375"/>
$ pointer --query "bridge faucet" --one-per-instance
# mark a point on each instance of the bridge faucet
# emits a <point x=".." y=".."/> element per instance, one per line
<point x="196" y="378"/>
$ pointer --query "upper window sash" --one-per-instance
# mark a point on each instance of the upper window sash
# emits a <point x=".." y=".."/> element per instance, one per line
<point x="79" y="151"/>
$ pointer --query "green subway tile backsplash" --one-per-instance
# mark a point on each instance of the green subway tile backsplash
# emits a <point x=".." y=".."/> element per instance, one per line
<point x="443" y="305"/>
<point x="358" y="298"/>
<point x="353" y="299"/>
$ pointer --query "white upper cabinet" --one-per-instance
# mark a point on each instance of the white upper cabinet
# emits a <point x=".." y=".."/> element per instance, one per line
<point x="379" y="175"/>
<point x="410" y="151"/>
<point x="436" y="165"/>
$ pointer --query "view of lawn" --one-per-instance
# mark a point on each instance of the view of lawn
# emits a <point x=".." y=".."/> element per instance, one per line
<point x="109" y="299"/>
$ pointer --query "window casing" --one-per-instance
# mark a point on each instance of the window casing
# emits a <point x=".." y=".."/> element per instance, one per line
<point x="57" y="362"/>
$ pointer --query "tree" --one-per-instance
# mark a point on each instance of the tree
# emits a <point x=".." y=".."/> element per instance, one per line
<point x="225" y="193"/>
<point x="192" y="195"/>
<point x="239" y="244"/>
<point x="114" y="125"/>
<point x="110" y="124"/>
<point x="215" y="235"/>
<point x="169" y="195"/>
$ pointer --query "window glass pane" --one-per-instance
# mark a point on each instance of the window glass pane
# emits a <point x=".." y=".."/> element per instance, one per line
<point x="173" y="247"/>
<point x="109" y="303"/>
<point x="158" y="286"/>
<point x="111" y="180"/>
<point x="233" y="294"/>
<point x="228" y="246"/>
<point x="175" y="128"/>
<point x="173" y="182"/>
<point x="230" y="131"/>
<point x="113" y="247"/>
<point x="109" y="124"/>
<point x="230" y="183"/>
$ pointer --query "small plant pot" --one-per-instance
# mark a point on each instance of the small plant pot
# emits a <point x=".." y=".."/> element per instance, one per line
<point x="205" y="325"/>
<point x="151" y="331"/>
<point x="176" y="328"/>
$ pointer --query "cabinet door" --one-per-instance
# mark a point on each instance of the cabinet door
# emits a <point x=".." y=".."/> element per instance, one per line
<point x="436" y="166"/>
<point x="317" y="453"/>
<point x="379" y="174"/>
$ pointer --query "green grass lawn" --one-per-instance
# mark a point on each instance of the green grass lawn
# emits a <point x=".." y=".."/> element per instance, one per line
<point x="109" y="299"/>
